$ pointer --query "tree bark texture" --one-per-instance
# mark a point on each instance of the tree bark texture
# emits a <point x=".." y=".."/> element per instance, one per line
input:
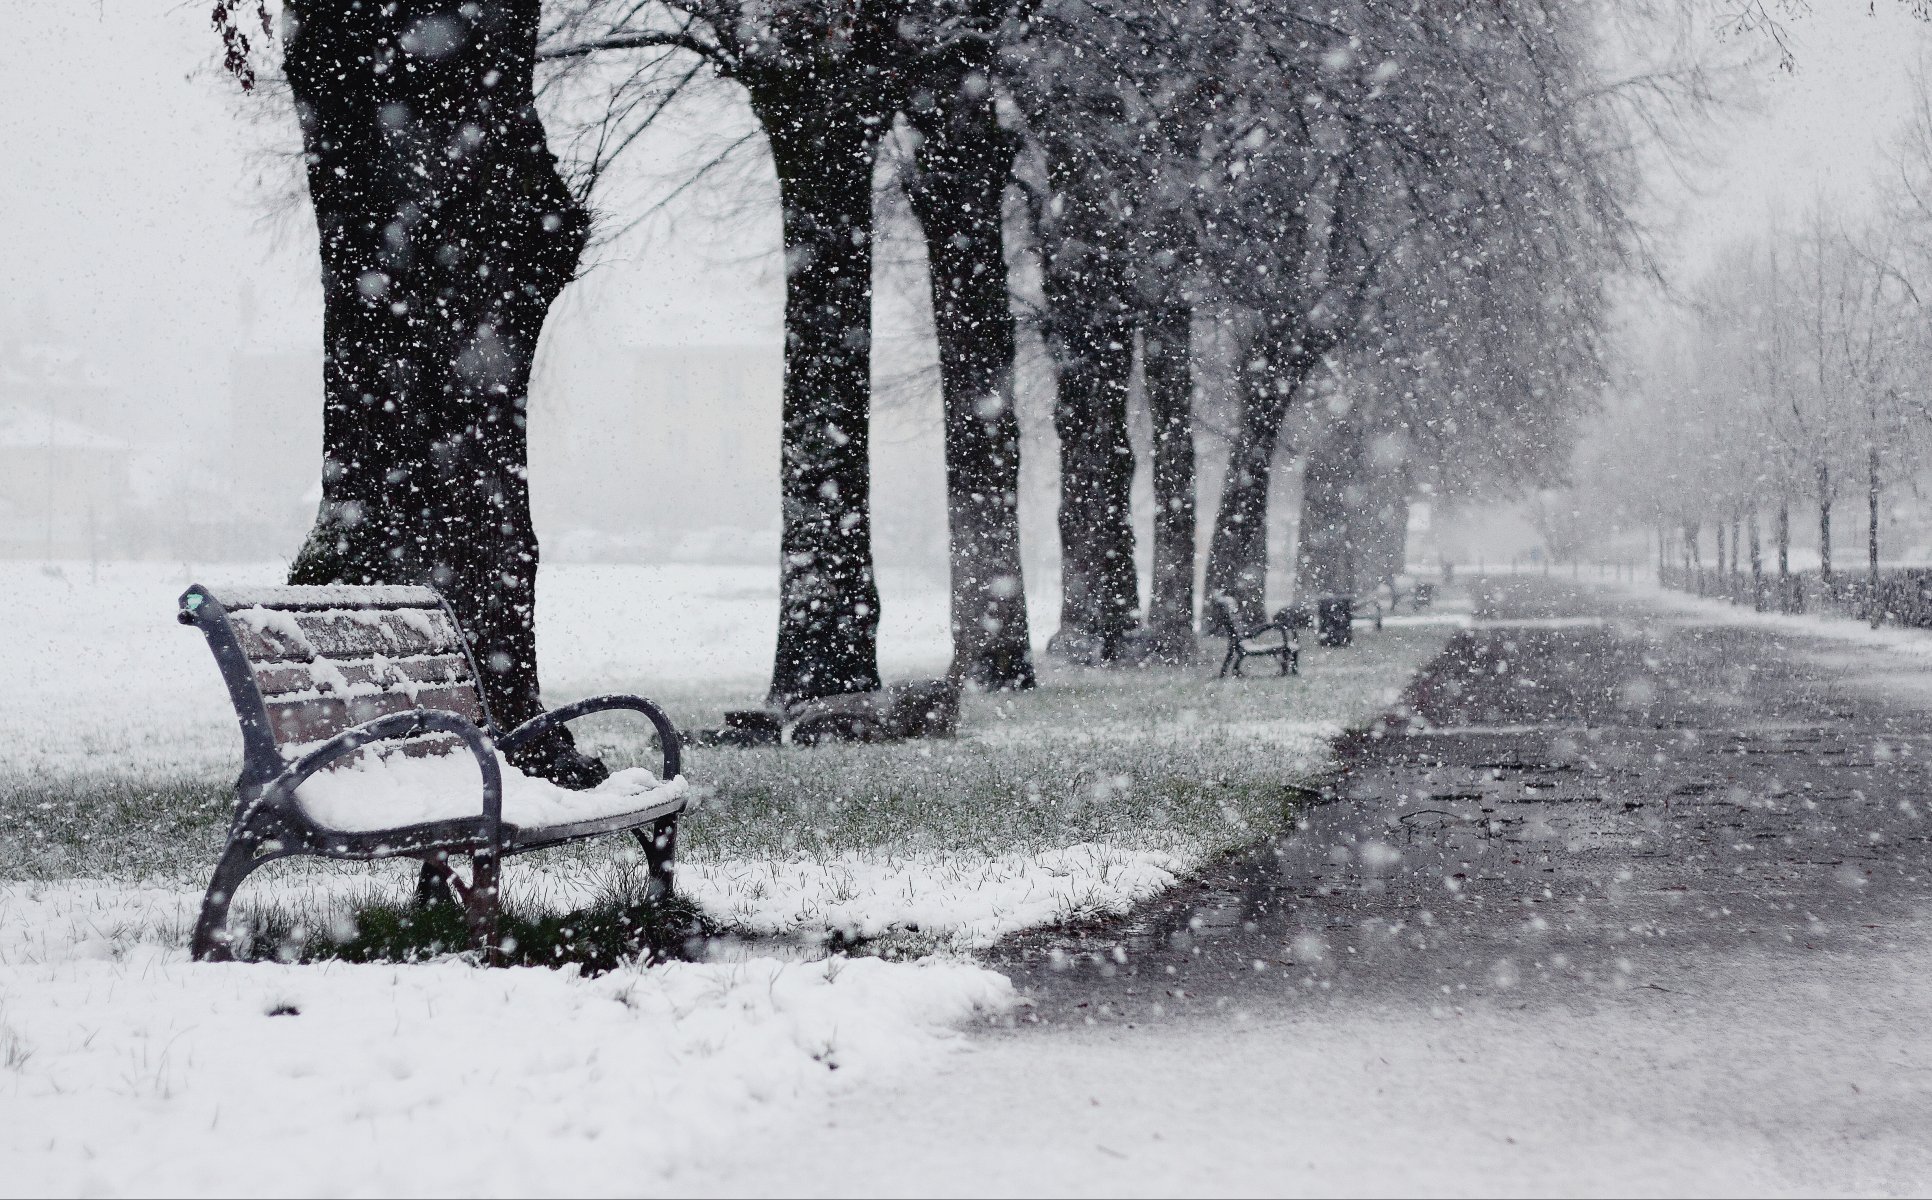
<point x="1383" y="525"/>
<point x="1168" y="380"/>
<point x="1824" y="523"/>
<point x="1784" y="539"/>
<point x="1757" y="564"/>
<point x="1269" y="382"/>
<point x="828" y="620"/>
<point x="445" y="234"/>
<point x="1871" y="541"/>
<point x="957" y="191"/>
<point x="1723" y="580"/>
<point x="1327" y="555"/>
<point x="1099" y="587"/>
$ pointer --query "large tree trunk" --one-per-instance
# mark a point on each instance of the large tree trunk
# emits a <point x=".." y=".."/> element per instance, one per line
<point x="1383" y="524"/>
<point x="1872" y="600"/>
<point x="445" y="235"/>
<point x="1238" y="551"/>
<point x="957" y="192"/>
<point x="1724" y="578"/>
<point x="1167" y="374"/>
<point x="828" y="619"/>
<point x="1757" y="564"/>
<point x="1099" y="587"/>
<point x="1328" y="555"/>
<point x="1784" y="541"/>
<point x="1824" y="525"/>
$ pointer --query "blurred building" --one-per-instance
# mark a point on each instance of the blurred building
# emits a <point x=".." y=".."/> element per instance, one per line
<point x="671" y="454"/>
<point x="64" y="483"/>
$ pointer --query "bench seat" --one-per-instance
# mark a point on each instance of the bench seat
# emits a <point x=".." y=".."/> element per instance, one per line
<point x="396" y="790"/>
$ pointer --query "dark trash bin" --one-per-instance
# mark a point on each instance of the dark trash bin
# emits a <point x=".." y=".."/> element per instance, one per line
<point x="1335" y="620"/>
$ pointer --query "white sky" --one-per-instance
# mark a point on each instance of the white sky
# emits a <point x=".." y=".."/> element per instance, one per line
<point x="128" y="222"/>
<point x="1823" y="128"/>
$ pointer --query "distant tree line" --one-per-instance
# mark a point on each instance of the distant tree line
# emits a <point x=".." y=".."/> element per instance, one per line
<point x="1795" y="381"/>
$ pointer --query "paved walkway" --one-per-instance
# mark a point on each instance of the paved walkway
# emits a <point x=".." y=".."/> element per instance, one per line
<point x="1620" y="903"/>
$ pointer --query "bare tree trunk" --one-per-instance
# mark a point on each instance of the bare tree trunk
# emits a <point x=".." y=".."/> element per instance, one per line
<point x="445" y="234"/>
<point x="1757" y="564"/>
<point x="1724" y="582"/>
<point x="828" y="620"/>
<point x="1784" y="539"/>
<point x="957" y="191"/>
<point x="1275" y="370"/>
<point x="1328" y="556"/>
<point x="1382" y="525"/>
<point x="1872" y="600"/>
<point x="1824" y="524"/>
<point x="1166" y="368"/>
<point x="1099" y="587"/>
<point x="1238" y="549"/>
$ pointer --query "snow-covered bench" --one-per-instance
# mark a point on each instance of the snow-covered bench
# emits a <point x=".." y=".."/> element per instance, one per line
<point x="1224" y="621"/>
<point x="365" y="736"/>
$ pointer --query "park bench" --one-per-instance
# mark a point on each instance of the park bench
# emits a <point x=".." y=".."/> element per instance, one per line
<point x="1225" y="621"/>
<point x="365" y="736"/>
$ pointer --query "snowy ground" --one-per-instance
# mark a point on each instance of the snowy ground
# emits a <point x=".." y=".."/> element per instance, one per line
<point x="1758" y="1074"/>
<point x="126" y="1069"/>
<point x="1681" y="947"/>
<point x="136" y="1072"/>
<point x="1094" y="792"/>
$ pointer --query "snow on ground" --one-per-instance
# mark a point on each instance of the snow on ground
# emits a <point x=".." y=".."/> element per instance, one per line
<point x="1713" y="611"/>
<point x="964" y="902"/>
<point x="1717" y="1077"/>
<point x="126" y="1069"/>
<point x="953" y="849"/>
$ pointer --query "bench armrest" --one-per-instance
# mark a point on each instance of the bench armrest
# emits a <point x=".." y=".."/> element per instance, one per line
<point x="392" y="727"/>
<point x="667" y="735"/>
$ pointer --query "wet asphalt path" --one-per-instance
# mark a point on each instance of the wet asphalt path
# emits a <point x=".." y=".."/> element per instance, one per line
<point x="1618" y="904"/>
<point x="1578" y="797"/>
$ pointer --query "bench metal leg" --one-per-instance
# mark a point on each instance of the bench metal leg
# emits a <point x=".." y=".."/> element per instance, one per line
<point x="211" y="941"/>
<point x="433" y="884"/>
<point x="481" y="897"/>
<point x="660" y="843"/>
<point x="481" y="906"/>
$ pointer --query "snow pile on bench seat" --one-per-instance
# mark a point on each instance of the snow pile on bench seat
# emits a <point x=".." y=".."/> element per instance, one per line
<point x="394" y="790"/>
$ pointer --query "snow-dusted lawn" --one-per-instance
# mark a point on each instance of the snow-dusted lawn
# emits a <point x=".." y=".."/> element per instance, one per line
<point x="1084" y="796"/>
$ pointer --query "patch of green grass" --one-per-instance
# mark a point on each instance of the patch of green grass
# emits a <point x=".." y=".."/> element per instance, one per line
<point x="1091" y="755"/>
<point x="620" y="924"/>
<point x="130" y="827"/>
<point x="1168" y="759"/>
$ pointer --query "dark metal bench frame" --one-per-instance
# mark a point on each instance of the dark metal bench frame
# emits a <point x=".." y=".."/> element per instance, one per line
<point x="1223" y="620"/>
<point x="269" y="824"/>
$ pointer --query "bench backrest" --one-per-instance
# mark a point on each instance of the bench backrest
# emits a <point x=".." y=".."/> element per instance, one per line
<point x="305" y="663"/>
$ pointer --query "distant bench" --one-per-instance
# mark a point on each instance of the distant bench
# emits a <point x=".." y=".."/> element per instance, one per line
<point x="365" y="736"/>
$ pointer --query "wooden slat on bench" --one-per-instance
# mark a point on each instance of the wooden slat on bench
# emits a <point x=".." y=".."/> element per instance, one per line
<point x="299" y="722"/>
<point x="283" y="635"/>
<point x="344" y="596"/>
<point x="339" y="678"/>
